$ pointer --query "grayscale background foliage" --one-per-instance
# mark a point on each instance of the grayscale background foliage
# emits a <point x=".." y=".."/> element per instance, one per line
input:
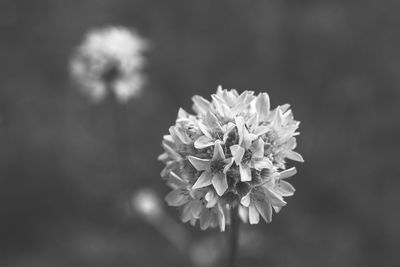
<point x="336" y="62"/>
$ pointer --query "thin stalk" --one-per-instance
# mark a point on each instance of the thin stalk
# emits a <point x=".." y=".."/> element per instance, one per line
<point x="120" y="130"/>
<point x="233" y="237"/>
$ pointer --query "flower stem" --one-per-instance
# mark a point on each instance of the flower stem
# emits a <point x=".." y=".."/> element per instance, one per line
<point x="233" y="237"/>
<point x="120" y="137"/>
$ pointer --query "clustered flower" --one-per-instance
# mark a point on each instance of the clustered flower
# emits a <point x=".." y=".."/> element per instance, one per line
<point x="109" y="61"/>
<point x="231" y="154"/>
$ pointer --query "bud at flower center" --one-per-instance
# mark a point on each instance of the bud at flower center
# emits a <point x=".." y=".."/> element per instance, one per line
<point x="217" y="166"/>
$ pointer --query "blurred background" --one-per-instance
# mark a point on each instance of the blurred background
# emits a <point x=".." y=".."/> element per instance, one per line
<point x="63" y="199"/>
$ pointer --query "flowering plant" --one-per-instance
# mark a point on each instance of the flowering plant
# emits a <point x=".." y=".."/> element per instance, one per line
<point x="110" y="61"/>
<point x="231" y="155"/>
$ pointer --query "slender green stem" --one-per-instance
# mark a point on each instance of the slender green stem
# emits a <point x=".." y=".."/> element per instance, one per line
<point x="233" y="237"/>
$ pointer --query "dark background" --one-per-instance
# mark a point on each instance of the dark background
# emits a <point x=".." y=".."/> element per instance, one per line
<point x="62" y="198"/>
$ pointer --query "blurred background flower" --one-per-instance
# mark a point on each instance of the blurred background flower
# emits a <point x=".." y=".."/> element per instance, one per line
<point x="109" y="61"/>
<point x="335" y="62"/>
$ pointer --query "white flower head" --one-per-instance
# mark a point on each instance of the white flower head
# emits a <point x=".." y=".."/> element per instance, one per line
<point x="231" y="154"/>
<point x="110" y="61"/>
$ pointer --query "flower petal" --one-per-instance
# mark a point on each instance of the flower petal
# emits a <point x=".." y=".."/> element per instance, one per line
<point x="228" y="165"/>
<point x="183" y="137"/>
<point x="169" y="166"/>
<point x="284" y="188"/>
<point x="244" y="214"/>
<point x="203" y="180"/>
<point x="263" y="105"/>
<point x="204" y="129"/>
<point x="227" y="112"/>
<point x="265" y="210"/>
<point x="214" y="220"/>
<point x="294" y="156"/>
<point x="218" y="152"/>
<point x="262" y="130"/>
<point x="243" y="101"/>
<point x="264" y="163"/>
<point x="203" y="142"/>
<point x="253" y="121"/>
<point x="163" y="157"/>
<point x="228" y="96"/>
<point x="200" y="104"/>
<point x="218" y="104"/>
<point x="176" y="198"/>
<point x="287" y="173"/>
<point x="172" y="153"/>
<point x="254" y="216"/>
<point x="227" y="128"/>
<point x="211" y="121"/>
<point x="273" y="198"/>
<point x="176" y="180"/>
<point x="211" y="198"/>
<point x="245" y="173"/>
<point x="182" y="114"/>
<point x="292" y="143"/>
<point x="220" y="183"/>
<point x="277" y="209"/>
<point x="245" y="138"/>
<point x="284" y="108"/>
<point x="200" y="164"/>
<point x="245" y="201"/>
<point x="257" y="148"/>
<point x="204" y="219"/>
<point x="197" y="206"/>
<point x="186" y="214"/>
<point x="168" y="138"/>
<point x="237" y="153"/>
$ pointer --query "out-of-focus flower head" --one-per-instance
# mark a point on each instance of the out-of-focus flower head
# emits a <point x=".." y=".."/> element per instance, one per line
<point x="110" y="61"/>
<point x="147" y="204"/>
<point x="231" y="153"/>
